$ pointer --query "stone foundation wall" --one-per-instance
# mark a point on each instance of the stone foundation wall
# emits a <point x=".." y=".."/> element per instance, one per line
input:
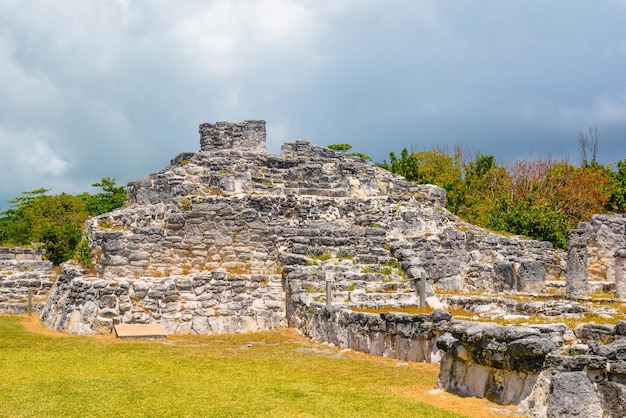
<point x="393" y="335"/>
<point x="24" y="271"/>
<point x="201" y="303"/>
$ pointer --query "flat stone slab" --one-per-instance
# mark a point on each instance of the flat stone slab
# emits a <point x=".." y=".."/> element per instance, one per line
<point x="132" y="331"/>
<point x="434" y="303"/>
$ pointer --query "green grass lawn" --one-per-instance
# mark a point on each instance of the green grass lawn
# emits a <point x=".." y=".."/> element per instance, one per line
<point x="273" y="374"/>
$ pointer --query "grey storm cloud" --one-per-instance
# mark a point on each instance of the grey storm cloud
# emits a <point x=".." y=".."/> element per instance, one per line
<point x="118" y="87"/>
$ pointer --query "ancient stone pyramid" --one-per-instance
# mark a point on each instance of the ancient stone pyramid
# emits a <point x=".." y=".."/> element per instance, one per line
<point x="218" y="240"/>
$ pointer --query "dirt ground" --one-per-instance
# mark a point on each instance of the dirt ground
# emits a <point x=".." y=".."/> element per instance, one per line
<point x="471" y="407"/>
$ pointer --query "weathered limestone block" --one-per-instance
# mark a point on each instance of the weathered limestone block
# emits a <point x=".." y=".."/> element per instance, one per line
<point x="573" y="395"/>
<point x="612" y="396"/>
<point x="504" y="276"/>
<point x="531" y="276"/>
<point x="577" y="285"/>
<point x="510" y="357"/>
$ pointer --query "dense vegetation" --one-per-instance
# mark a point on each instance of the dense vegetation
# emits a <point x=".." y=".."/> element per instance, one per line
<point x="538" y="197"/>
<point x="56" y="220"/>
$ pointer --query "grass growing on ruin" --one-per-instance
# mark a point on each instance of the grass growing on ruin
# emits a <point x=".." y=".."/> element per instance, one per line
<point x="278" y="374"/>
<point x="571" y="321"/>
<point x="411" y="310"/>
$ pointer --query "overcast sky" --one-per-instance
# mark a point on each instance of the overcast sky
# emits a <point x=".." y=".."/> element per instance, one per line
<point x="117" y="88"/>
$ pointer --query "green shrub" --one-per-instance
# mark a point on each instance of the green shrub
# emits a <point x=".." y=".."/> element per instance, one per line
<point x="83" y="253"/>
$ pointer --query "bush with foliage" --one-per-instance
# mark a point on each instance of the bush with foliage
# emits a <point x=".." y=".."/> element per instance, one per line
<point x="111" y="198"/>
<point x="56" y="220"/>
<point x="538" y="197"/>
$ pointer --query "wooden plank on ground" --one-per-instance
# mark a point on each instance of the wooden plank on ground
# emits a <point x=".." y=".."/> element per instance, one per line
<point x="147" y="331"/>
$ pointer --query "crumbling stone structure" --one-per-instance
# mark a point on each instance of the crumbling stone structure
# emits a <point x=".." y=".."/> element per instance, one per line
<point x="587" y="378"/>
<point x="607" y="234"/>
<point x="594" y="257"/>
<point x="208" y="244"/>
<point x="24" y="274"/>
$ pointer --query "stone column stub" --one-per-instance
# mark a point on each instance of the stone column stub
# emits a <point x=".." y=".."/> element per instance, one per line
<point x="577" y="286"/>
<point x="620" y="273"/>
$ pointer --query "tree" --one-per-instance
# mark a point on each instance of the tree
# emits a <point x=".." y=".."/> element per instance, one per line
<point x="485" y="182"/>
<point x="532" y="218"/>
<point x="56" y="220"/>
<point x="61" y="240"/>
<point x="407" y="165"/>
<point x="16" y="223"/>
<point x="436" y="167"/>
<point x="617" y="199"/>
<point x="578" y="193"/>
<point x="112" y="198"/>
<point x="544" y="198"/>
<point x="588" y="144"/>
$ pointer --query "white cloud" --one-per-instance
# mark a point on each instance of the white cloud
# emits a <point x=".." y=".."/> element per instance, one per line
<point x="278" y="19"/>
<point x="29" y="153"/>
<point x="41" y="159"/>
<point x="223" y="35"/>
<point x="28" y="161"/>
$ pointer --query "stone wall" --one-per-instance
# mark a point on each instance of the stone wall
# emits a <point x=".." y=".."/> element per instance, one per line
<point x="393" y="335"/>
<point x="462" y="257"/>
<point x="203" y="303"/>
<point x="248" y="135"/>
<point x="24" y="271"/>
